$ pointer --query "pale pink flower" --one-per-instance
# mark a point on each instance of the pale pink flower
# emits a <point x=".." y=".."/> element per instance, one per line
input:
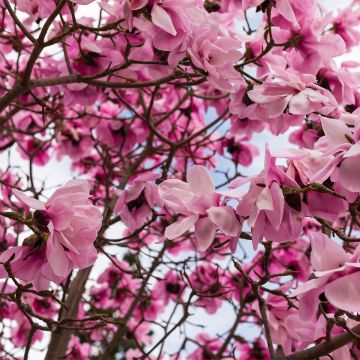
<point x="69" y="223"/>
<point x="337" y="276"/>
<point x="200" y="203"/>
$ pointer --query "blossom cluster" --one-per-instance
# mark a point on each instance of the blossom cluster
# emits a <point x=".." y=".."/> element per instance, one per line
<point x="168" y="223"/>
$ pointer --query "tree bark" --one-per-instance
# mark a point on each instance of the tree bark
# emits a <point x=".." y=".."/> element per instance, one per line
<point x="60" y="338"/>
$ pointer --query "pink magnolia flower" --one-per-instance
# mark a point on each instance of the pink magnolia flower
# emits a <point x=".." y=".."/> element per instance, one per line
<point x="121" y="286"/>
<point x="287" y="328"/>
<point x="216" y="53"/>
<point x="345" y="25"/>
<point x="208" y="280"/>
<point x="312" y="48"/>
<point x="78" y="351"/>
<point x="337" y="276"/>
<point x="200" y="203"/>
<point x="20" y="333"/>
<point x="37" y="8"/>
<point x="257" y="351"/>
<point x="343" y="143"/>
<point x="241" y="151"/>
<point x="135" y="205"/>
<point x="298" y="94"/>
<point x="69" y="223"/>
<point x="264" y="205"/>
<point x="170" y="287"/>
<point x="34" y="148"/>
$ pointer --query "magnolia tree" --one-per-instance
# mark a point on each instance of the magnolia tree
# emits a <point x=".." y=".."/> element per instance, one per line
<point x="155" y="104"/>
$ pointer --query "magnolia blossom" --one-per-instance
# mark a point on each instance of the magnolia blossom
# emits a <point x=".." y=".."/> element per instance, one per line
<point x="69" y="224"/>
<point x="297" y="93"/>
<point x="201" y="204"/>
<point x="337" y="276"/>
<point x="135" y="205"/>
<point x="269" y="215"/>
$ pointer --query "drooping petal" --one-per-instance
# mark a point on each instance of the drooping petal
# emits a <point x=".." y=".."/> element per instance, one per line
<point x="32" y="203"/>
<point x="180" y="227"/>
<point x="224" y="218"/>
<point x="205" y="231"/>
<point x="335" y="130"/>
<point x="349" y="174"/>
<point x="57" y="258"/>
<point x="344" y="292"/>
<point x="326" y="254"/>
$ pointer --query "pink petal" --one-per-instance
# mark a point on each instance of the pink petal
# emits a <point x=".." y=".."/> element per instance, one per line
<point x="344" y="292"/>
<point x="224" y="218"/>
<point x="61" y="214"/>
<point x="162" y="19"/>
<point x="285" y="9"/>
<point x="176" y="195"/>
<point x="57" y="258"/>
<point x="200" y="180"/>
<point x="32" y="203"/>
<point x="205" y="231"/>
<point x="180" y="227"/>
<point x="353" y="151"/>
<point x="326" y="254"/>
<point x="325" y="205"/>
<point x="349" y="174"/>
<point x="335" y="130"/>
<point x="276" y="216"/>
<point x="80" y="188"/>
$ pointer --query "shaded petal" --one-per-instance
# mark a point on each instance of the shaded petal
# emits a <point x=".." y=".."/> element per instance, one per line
<point x="180" y="227"/>
<point x="32" y="203"/>
<point x="349" y="174"/>
<point x="335" y="130"/>
<point x="326" y="254"/>
<point x="205" y="231"/>
<point x="276" y="216"/>
<point x="344" y="292"/>
<point x="162" y="19"/>
<point x="57" y="258"/>
<point x="224" y="218"/>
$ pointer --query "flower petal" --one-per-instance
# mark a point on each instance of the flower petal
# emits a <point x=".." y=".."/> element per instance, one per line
<point x="162" y="19"/>
<point x="224" y="218"/>
<point x="344" y="292"/>
<point x="200" y="180"/>
<point x="326" y="254"/>
<point x="205" y="231"/>
<point x="349" y="174"/>
<point x="180" y="227"/>
<point x="32" y="203"/>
